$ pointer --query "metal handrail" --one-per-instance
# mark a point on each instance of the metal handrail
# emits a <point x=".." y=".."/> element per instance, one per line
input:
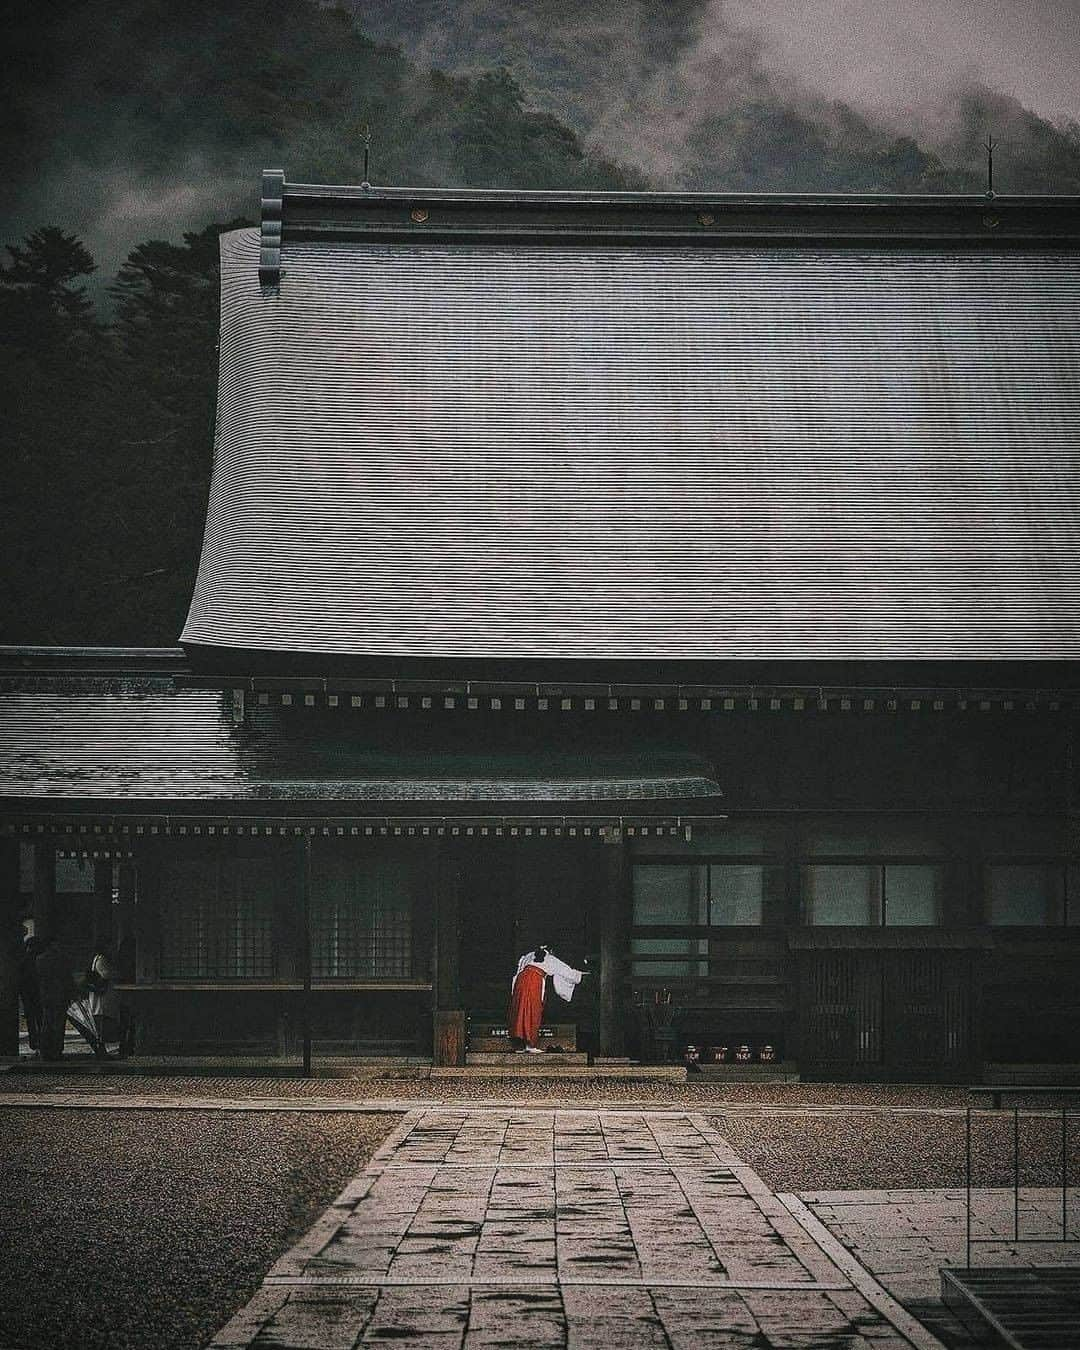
<point x="1043" y="1112"/>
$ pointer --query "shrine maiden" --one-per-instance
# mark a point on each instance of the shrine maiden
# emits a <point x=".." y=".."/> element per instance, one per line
<point x="527" y="992"/>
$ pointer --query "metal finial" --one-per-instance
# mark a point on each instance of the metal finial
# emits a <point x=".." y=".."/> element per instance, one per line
<point x="988" y="145"/>
<point x="365" y="136"/>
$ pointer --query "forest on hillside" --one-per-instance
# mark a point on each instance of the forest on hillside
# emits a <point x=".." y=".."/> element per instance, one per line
<point x="135" y="135"/>
<point x="109" y="382"/>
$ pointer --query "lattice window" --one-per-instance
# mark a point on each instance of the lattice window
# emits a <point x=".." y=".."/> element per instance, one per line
<point x="184" y="942"/>
<point x="188" y="894"/>
<point x="217" y="918"/>
<point x="361" y="918"/>
<point x="245" y="929"/>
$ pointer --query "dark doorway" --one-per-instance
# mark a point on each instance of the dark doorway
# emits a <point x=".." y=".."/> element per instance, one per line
<point x="517" y="894"/>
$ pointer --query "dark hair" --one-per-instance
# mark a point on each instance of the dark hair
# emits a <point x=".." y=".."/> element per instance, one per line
<point x="540" y="954"/>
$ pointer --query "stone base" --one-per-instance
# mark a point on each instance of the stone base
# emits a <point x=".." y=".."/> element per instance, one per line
<point x="785" y="1071"/>
<point x="1030" y="1075"/>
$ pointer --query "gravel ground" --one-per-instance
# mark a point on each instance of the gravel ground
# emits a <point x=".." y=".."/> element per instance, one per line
<point x="509" y="1087"/>
<point x="137" y="1230"/>
<point x="872" y="1151"/>
<point x="122" y="1203"/>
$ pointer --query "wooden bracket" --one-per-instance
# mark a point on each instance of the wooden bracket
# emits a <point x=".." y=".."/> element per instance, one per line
<point x="273" y="198"/>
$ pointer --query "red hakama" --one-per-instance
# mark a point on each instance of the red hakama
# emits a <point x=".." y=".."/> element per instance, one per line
<point x="527" y="1005"/>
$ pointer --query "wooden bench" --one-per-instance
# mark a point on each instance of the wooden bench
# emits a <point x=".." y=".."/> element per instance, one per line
<point x="998" y="1091"/>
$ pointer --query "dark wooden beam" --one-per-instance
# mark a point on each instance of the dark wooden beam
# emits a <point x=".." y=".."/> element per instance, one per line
<point x="10" y="946"/>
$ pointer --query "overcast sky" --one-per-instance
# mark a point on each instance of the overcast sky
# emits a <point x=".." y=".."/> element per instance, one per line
<point x="887" y="55"/>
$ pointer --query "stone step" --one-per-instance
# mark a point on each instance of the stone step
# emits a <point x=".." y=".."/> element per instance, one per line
<point x="493" y="1037"/>
<point x="502" y="1058"/>
<point x="542" y="1066"/>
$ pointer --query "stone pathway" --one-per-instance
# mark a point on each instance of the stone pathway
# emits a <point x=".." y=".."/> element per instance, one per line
<point x="564" y="1228"/>
<point x="903" y="1237"/>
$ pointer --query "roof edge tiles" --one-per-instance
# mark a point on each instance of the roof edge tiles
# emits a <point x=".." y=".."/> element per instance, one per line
<point x="43" y="660"/>
<point x="293" y="212"/>
<point x="143" y="740"/>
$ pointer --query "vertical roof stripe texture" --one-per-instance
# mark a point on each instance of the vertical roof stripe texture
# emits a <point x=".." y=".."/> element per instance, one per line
<point x="509" y="450"/>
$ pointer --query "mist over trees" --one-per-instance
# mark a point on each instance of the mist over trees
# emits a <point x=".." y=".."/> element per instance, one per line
<point x="134" y="124"/>
<point x="142" y="118"/>
<point x="111" y="407"/>
<point x="684" y="93"/>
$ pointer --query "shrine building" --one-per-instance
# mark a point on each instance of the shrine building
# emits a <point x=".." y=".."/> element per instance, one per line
<point x="686" y="582"/>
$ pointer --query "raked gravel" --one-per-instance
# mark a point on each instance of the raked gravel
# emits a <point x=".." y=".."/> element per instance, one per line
<point x="509" y="1087"/>
<point x="146" y="1230"/>
<point x="892" y="1150"/>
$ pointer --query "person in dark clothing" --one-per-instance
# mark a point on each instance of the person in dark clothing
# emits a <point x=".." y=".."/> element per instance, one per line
<point x="29" y="991"/>
<point x="56" y="987"/>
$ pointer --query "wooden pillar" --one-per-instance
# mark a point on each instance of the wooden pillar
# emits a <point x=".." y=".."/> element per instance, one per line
<point x="148" y="917"/>
<point x="103" y="904"/>
<point x="967" y="910"/>
<point x="289" y="916"/>
<point x="614" y="946"/>
<point x="424" y="954"/>
<point x="146" y="943"/>
<point x="287" y="937"/>
<point x="125" y="921"/>
<point x="10" y="946"/>
<point x="44" y="890"/>
<point x="794" y="967"/>
<point x="448" y="935"/>
<point x="53" y="967"/>
<point x="449" y="1015"/>
<point x="305" y="951"/>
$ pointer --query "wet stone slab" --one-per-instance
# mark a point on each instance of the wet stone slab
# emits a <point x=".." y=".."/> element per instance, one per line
<point x="558" y="1228"/>
<point x="903" y="1237"/>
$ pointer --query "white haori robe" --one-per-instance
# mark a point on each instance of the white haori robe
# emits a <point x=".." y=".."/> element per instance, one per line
<point x="564" y="979"/>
